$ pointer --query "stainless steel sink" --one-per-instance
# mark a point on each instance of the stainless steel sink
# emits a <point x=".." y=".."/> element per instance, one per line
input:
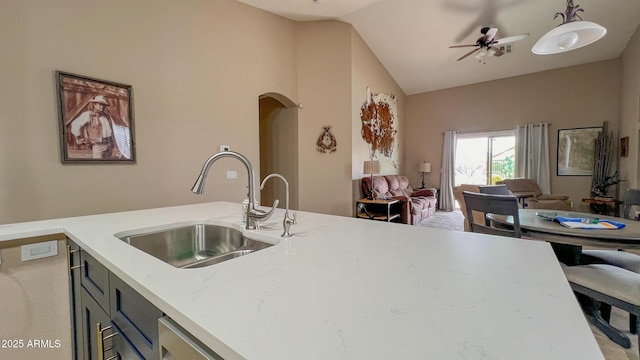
<point x="193" y="245"/>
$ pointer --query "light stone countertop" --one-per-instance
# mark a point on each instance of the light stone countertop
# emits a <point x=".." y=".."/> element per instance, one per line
<point x="345" y="288"/>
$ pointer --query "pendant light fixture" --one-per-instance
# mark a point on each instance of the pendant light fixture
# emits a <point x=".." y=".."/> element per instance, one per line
<point x="572" y="34"/>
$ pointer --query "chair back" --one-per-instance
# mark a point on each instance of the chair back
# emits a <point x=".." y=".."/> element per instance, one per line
<point x="494" y="189"/>
<point x="505" y="205"/>
<point x="631" y="198"/>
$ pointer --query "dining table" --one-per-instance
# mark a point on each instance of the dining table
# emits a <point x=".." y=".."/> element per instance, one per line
<point x="539" y="224"/>
<point x="567" y="243"/>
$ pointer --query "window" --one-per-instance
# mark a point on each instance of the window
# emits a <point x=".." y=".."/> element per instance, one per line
<point x="484" y="158"/>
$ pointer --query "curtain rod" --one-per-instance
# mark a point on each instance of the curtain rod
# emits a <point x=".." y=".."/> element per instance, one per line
<point x="463" y="132"/>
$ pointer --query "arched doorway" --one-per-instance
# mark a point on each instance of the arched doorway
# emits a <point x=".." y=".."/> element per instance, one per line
<point x="278" y="148"/>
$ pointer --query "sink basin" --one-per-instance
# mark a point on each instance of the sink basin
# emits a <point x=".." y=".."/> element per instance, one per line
<point x="193" y="245"/>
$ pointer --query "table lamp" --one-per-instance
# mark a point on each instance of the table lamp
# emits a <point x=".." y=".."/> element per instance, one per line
<point x="424" y="167"/>
<point x="371" y="167"/>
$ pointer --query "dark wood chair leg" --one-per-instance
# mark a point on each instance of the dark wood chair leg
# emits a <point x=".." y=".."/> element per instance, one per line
<point x="633" y="324"/>
<point x="605" y="311"/>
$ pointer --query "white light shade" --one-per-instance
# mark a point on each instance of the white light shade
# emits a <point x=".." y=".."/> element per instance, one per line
<point x="569" y="36"/>
<point x="424" y="167"/>
<point x="371" y="167"/>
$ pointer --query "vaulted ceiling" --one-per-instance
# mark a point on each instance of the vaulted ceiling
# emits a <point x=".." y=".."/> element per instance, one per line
<point x="412" y="37"/>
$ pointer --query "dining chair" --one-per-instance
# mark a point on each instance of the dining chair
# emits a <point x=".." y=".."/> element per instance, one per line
<point x="609" y="286"/>
<point x="494" y="189"/>
<point x="505" y="205"/>
<point x="619" y="258"/>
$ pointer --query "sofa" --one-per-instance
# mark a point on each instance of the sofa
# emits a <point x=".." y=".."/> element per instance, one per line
<point x="417" y="205"/>
<point x="533" y="196"/>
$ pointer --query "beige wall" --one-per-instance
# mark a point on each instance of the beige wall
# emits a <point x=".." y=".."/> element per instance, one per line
<point x="630" y="124"/>
<point x="197" y="69"/>
<point x="367" y="71"/>
<point x="35" y="304"/>
<point x="579" y="96"/>
<point x="324" y="73"/>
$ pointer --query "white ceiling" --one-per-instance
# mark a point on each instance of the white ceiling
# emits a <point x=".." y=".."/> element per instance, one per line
<point x="411" y="37"/>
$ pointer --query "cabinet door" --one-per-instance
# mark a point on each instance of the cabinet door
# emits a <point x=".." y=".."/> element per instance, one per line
<point x="95" y="279"/>
<point x="136" y="317"/>
<point x="73" y="258"/>
<point x="92" y="315"/>
<point x="124" y="348"/>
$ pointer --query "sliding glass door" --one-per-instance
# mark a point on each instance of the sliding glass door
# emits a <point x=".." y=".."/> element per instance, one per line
<point x="484" y="158"/>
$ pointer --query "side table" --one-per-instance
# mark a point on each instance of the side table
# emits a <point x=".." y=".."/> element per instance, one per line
<point x="604" y="206"/>
<point x="378" y="209"/>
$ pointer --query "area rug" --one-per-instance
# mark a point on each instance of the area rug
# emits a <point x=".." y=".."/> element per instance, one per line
<point x="449" y="220"/>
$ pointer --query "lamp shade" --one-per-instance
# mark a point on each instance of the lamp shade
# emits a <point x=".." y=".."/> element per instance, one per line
<point x="424" y="167"/>
<point x="371" y="167"/>
<point x="569" y="36"/>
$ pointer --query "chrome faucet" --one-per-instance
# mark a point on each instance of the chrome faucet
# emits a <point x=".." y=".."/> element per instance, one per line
<point x="253" y="215"/>
<point x="288" y="220"/>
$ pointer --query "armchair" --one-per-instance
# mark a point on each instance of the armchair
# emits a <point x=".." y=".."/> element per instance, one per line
<point x="533" y="196"/>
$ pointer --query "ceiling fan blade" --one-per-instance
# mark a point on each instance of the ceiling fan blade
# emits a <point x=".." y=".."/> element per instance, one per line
<point x="491" y="33"/>
<point x="511" y="39"/>
<point x="460" y="46"/>
<point x="467" y="54"/>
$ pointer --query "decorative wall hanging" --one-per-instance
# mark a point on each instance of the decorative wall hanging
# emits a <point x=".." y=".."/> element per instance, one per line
<point x="576" y="149"/>
<point x="379" y="126"/>
<point x="605" y="147"/>
<point x="326" y="143"/>
<point x="95" y="120"/>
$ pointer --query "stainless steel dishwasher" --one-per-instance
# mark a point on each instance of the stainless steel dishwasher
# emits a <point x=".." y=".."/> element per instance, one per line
<point x="177" y="344"/>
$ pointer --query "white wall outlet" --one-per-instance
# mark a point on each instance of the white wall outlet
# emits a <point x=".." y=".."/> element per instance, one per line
<point x="232" y="174"/>
<point x="39" y="250"/>
<point x="225" y="148"/>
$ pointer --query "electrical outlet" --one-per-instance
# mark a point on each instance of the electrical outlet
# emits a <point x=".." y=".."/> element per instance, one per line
<point x="39" y="250"/>
<point x="231" y="174"/>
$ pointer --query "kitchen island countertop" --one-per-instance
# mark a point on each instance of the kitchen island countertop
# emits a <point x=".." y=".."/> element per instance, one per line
<point x="345" y="288"/>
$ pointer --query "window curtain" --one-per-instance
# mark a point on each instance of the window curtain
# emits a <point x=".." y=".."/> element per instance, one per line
<point x="532" y="154"/>
<point x="447" y="202"/>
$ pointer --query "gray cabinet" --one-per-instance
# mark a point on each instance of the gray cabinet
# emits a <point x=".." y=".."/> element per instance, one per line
<point x="95" y="323"/>
<point x="110" y="320"/>
<point x="136" y="318"/>
<point x="95" y="279"/>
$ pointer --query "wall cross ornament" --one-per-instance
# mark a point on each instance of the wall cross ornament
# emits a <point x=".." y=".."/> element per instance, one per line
<point x="326" y="142"/>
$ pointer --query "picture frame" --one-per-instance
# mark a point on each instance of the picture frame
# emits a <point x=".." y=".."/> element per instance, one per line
<point x="624" y="146"/>
<point x="576" y="151"/>
<point x="95" y="119"/>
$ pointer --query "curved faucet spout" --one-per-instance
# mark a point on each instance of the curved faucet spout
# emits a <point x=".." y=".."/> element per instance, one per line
<point x="286" y="186"/>
<point x="288" y="220"/>
<point x="198" y="187"/>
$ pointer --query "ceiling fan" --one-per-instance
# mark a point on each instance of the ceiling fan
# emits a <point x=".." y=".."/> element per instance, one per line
<point x="484" y="46"/>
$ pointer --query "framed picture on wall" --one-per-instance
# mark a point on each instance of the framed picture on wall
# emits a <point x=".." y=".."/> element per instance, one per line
<point x="95" y="120"/>
<point x="576" y="149"/>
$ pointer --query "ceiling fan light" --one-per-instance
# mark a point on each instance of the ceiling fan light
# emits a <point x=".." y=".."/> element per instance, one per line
<point x="491" y="52"/>
<point x="569" y="36"/>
